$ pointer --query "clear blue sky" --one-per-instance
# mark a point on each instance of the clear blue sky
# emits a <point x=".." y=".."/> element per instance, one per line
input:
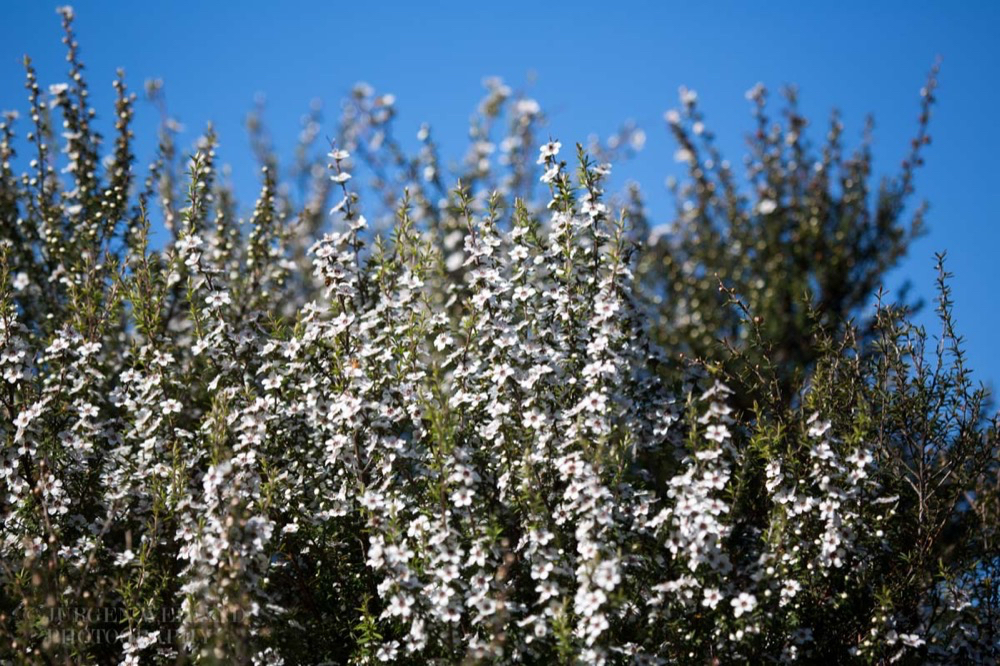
<point x="593" y="65"/>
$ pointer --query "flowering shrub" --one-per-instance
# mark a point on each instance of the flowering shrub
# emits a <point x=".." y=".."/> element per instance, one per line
<point x="811" y="216"/>
<point x="455" y="437"/>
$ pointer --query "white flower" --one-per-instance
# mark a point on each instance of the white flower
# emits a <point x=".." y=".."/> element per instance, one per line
<point x="606" y="575"/>
<point x="462" y="497"/>
<point x="717" y="433"/>
<point x="592" y="208"/>
<point x="341" y="322"/>
<point x="606" y="307"/>
<point x="443" y="341"/>
<point x="638" y="140"/>
<point x="546" y="590"/>
<point x="548" y="150"/>
<point x="533" y="419"/>
<point x="744" y="603"/>
<point x="23" y="419"/>
<point x="89" y="348"/>
<point x="527" y="107"/>
<point x="712" y="597"/>
<point x="502" y="373"/>
<point x="217" y="299"/>
<point x="388" y="651"/>
<point x="188" y="243"/>
<point x="523" y="293"/>
<point x="341" y="177"/>
<point x="715" y="479"/>
<point x="594" y="402"/>
<point x="400" y="605"/>
<point x="124" y="558"/>
<point x="589" y="602"/>
<point x="596" y="625"/>
<point x="766" y="206"/>
<point x="817" y="428"/>
<point x="88" y="411"/>
<point x="170" y="406"/>
<point x="58" y="345"/>
<point x="371" y="501"/>
<point x="518" y="253"/>
<point x="464" y="474"/>
<point x="790" y="589"/>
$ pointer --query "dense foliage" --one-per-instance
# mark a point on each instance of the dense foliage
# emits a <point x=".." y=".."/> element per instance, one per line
<point x="513" y="421"/>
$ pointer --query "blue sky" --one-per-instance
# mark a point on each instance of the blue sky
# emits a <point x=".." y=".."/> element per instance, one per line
<point x="592" y="65"/>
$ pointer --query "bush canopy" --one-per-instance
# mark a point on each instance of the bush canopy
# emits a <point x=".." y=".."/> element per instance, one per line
<point x="402" y="412"/>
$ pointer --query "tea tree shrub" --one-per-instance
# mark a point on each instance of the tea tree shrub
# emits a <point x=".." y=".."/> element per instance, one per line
<point x="473" y="417"/>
